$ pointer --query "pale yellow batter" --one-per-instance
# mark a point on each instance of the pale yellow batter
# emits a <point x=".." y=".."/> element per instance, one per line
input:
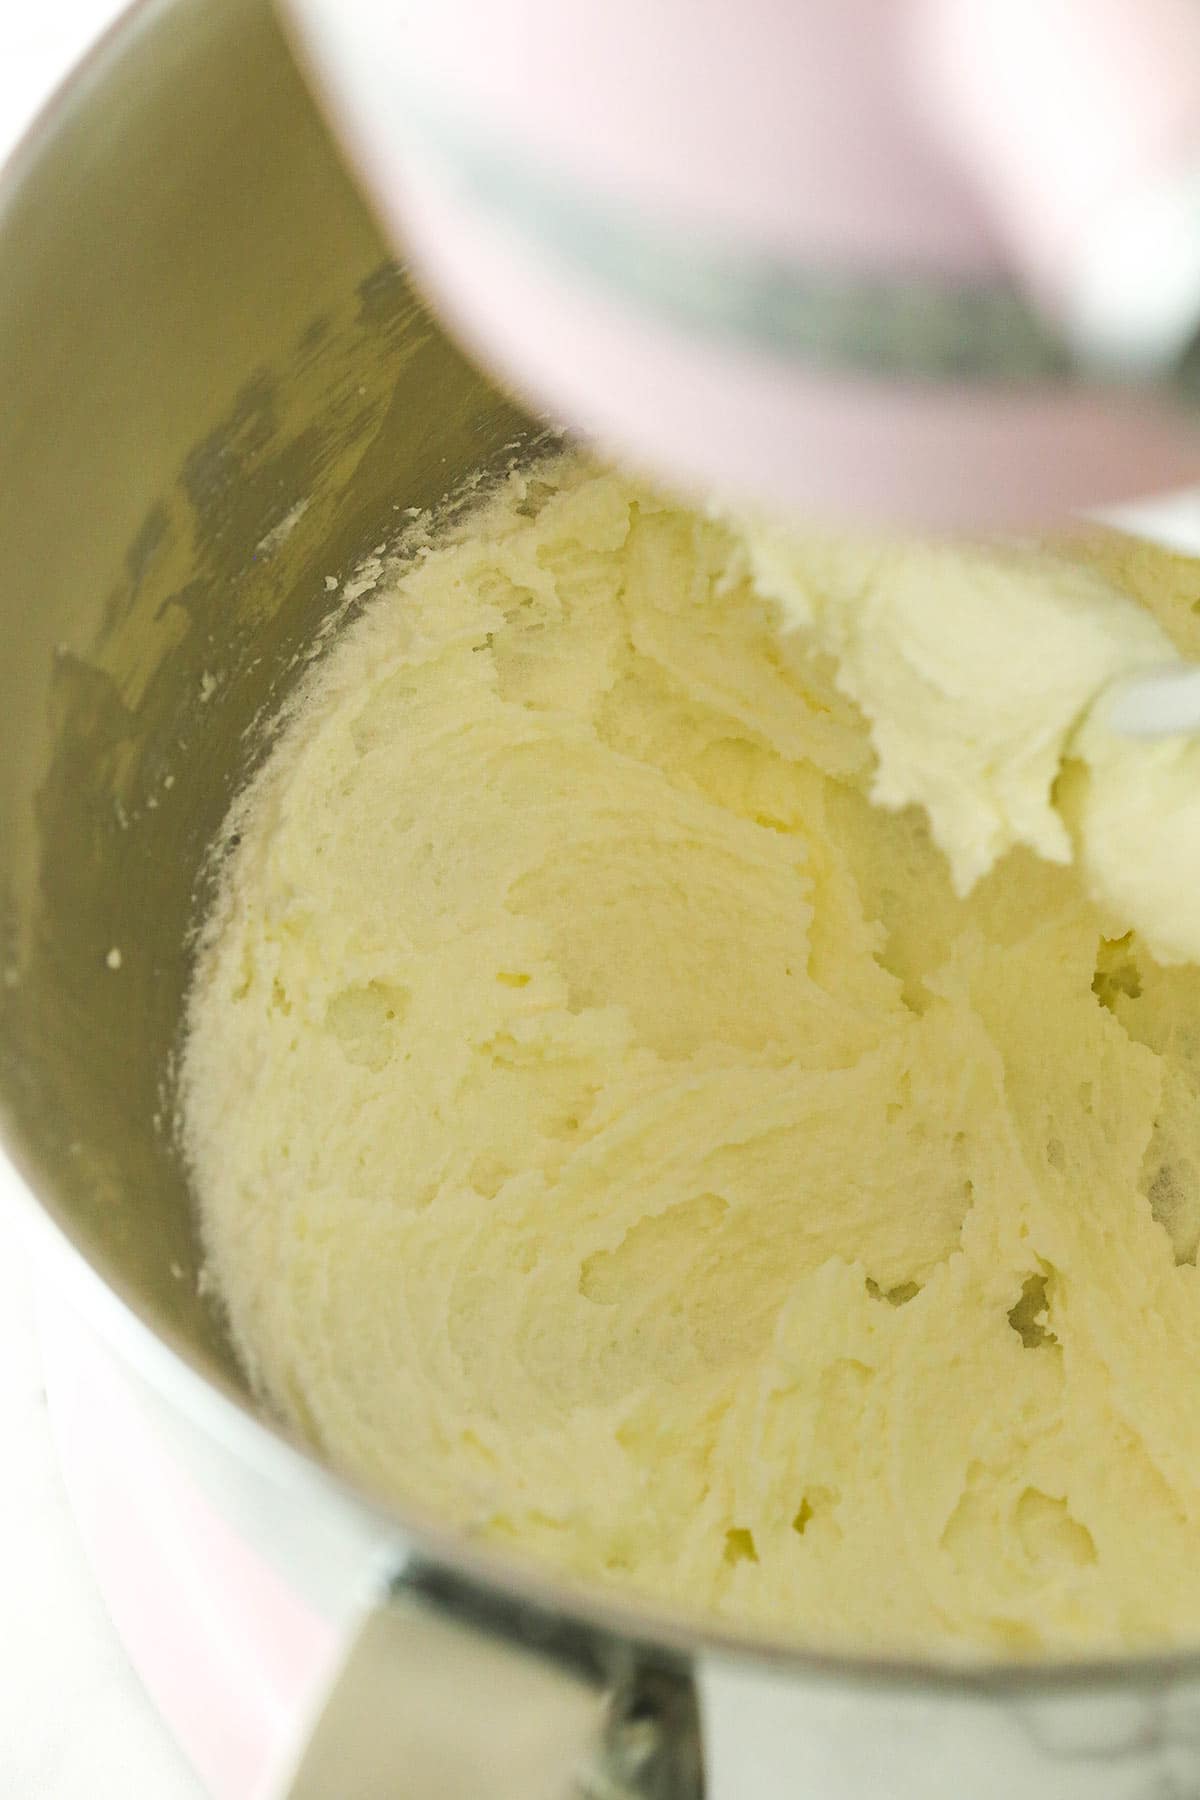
<point x="986" y="676"/>
<point x="614" y="1131"/>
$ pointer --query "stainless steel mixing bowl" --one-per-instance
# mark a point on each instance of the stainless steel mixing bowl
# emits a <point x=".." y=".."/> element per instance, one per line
<point x="199" y="330"/>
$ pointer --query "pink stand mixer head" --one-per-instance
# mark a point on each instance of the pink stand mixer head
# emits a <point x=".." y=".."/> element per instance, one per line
<point x="931" y="262"/>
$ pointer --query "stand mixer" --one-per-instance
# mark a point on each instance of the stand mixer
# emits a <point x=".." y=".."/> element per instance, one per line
<point x="957" y="370"/>
<point x="920" y="262"/>
<point x="888" y="262"/>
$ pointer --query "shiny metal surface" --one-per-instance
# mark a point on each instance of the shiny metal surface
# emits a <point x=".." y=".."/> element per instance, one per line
<point x="470" y="1700"/>
<point x="388" y="1711"/>
<point x="191" y="342"/>
<point x="198" y="332"/>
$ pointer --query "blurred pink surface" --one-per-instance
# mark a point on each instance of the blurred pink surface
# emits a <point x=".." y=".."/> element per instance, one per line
<point x="1061" y="112"/>
<point x="832" y="448"/>
<point x="227" y="1651"/>
<point x="941" y="138"/>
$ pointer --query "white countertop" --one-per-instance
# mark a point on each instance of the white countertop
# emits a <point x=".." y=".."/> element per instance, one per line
<point x="75" y="1723"/>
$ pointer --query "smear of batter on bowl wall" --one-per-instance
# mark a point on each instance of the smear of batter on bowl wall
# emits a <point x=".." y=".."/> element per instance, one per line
<point x="614" y="1130"/>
